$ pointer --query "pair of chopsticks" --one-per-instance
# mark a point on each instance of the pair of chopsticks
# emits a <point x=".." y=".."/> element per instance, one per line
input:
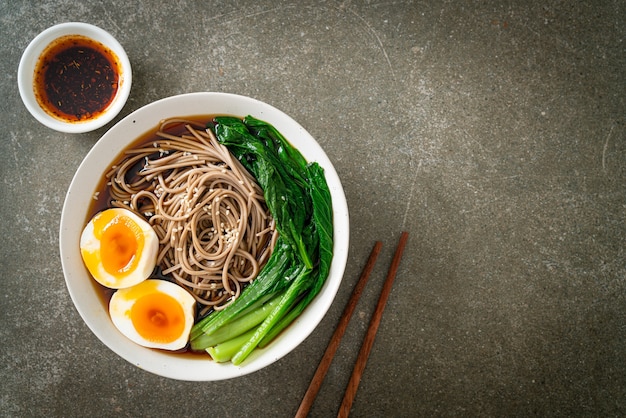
<point x="368" y="341"/>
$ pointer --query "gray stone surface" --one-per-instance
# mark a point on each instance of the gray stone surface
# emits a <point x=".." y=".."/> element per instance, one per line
<point x="493" y="132"/>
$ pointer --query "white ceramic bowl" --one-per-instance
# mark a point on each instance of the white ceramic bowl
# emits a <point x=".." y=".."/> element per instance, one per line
<point x="30" y="57"/>
<point x="75" y="212"/>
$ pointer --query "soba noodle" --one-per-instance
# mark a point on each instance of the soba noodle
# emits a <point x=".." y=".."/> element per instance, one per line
<point x="214" y="228"/>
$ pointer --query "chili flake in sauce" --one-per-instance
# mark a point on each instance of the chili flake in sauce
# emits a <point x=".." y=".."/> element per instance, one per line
<point x="76" y="78"/>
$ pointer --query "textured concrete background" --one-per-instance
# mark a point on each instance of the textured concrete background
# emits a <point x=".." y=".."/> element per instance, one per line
<point x="492" y="131"/>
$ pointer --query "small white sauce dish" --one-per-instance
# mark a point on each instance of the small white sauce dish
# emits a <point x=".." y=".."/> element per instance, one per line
<point x="31" y="57"/>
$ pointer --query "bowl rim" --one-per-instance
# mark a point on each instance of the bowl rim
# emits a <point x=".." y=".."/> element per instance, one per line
<point x="81" y="190"/>
<point x="30" y="57"/>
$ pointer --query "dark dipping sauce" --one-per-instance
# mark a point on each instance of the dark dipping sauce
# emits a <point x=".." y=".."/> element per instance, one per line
<point x="76" y="78"/>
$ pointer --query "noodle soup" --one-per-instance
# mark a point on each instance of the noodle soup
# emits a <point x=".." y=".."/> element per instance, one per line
<point x="89" y="301"/>
<point x="215" y="231"/>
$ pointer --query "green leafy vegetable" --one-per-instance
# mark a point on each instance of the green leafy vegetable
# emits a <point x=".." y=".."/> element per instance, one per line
<point x="322" y="213"/>
<point x="299" y="199"/>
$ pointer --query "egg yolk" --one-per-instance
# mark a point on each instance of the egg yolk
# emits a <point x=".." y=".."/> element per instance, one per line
<point x="121" y="240"/>
<point x="158" y="317"/>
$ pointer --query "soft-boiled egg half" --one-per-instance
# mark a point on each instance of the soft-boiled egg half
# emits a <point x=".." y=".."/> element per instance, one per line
<point x="154" y="314"/>
<point x="119" y="248"/>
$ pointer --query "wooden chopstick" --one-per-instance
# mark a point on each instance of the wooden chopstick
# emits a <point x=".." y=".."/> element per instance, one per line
<point x="322" y="368"/>
<point x="366" y="347"/>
